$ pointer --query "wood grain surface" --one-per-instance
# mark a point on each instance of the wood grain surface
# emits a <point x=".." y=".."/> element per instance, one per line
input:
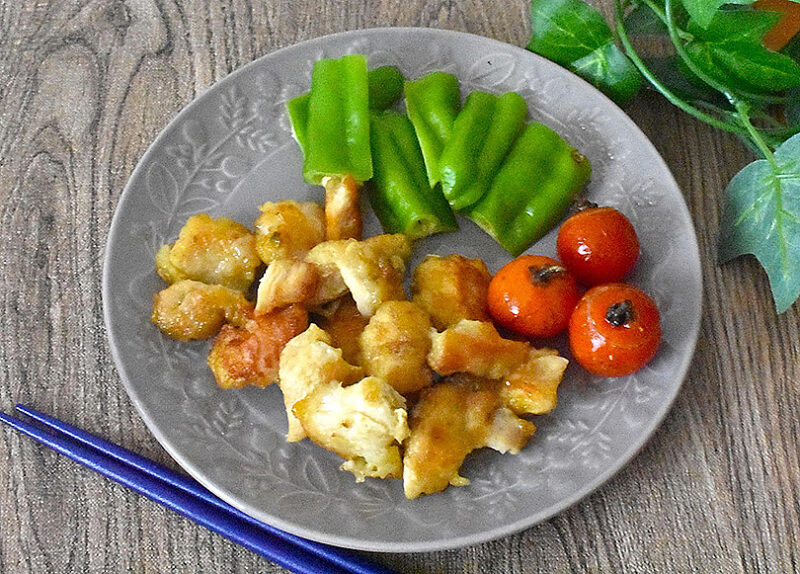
<point x="85" y="86"/>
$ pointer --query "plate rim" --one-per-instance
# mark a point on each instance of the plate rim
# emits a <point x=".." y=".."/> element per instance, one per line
<point x="389" y="546"/>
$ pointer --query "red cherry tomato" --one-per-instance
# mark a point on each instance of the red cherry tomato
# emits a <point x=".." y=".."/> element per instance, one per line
<point x="533" y="295"/>
<point x="615" y="330"/>
<point x="598" y="245"/>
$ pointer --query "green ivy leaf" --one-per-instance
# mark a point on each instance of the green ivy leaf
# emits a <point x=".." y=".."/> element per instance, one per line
<point x="762" y="217"/>
<point x="566" y="30"/>
<point x="611" y="71"/>
<point x="703" y="11"/>
<point x="730" y="50"/>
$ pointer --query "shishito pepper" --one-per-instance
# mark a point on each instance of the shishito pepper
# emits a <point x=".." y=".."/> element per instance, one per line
<point x="483" y="134"/>
<point x="399" y="191"/>
<point x="532" y="190"/>
<point x="432" y="102"/>
<point x="337" y="134"/>
<point x="384" y="84"/>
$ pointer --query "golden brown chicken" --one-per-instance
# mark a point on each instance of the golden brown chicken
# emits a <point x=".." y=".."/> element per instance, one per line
<point x="372" y="270"/>
<point x="286" y="281"/>
<point x="307" y="361"/>
<point x="450" y="420"/>
<point x="249" y="355"/>
<point x="451" y="288"/>
<point x="189" y="310"/>
<point x="214" y="251"/>
<point x="395" y="345"/>
<point x="364" y="423"/>
<point x="342" y="208"/>
<point x="288" y="229"/>
<point x="476" y="348"/>
<point x="532" y="387"/>
<point x="345" y="324"/>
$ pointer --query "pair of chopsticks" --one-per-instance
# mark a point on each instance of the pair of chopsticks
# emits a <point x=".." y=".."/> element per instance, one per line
<point x="187" y="497"/>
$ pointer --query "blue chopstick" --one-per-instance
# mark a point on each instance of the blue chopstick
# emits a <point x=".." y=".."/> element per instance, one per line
<point x="190" y="499"/>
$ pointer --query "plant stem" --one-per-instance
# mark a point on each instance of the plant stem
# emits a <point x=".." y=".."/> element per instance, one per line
<point x="743" y="112"/>
<point x="671" y="97"/>
<point x="661" y="16"/>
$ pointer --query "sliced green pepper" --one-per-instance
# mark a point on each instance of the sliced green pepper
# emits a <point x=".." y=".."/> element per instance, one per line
<point x="399" y="191"/>
<point x="337" y="136"/>
<point x="483" y="133"/>
<point x="432" y="102"/>
<point x="532" y="190"/>
<point x="385" y="85"/>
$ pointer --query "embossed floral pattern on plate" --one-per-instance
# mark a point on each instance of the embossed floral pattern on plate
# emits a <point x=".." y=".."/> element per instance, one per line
<point x="232" y="149"/>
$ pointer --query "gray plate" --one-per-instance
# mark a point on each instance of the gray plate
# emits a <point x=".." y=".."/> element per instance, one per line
<point x="231" y="150"/>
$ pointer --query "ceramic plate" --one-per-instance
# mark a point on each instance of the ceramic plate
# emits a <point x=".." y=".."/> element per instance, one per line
<point x="232" y="149"/>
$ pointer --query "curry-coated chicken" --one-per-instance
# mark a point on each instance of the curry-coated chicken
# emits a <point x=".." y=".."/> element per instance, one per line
<point x="364" y="423"/>
<point x="450" y="420"/>
<point x="345" y="324"/>
<point x="307" y="361"/>
<point x="288" y="229"/>
<point x="475" y="347"/>
<point x="532" y="387"/>
<point x="395" y="345"/>
<point x="249" y="355"/>
<point x="189" y="310"/>
<point x="451" y="288"/>
<point x="286" y="281"/>
<point x="214" y="251"/>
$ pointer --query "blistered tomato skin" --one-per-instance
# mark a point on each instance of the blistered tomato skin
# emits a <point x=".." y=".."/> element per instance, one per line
<point x="615" y="330"/>
<point x="533" y="295"/>
<point x="598" y="245"/>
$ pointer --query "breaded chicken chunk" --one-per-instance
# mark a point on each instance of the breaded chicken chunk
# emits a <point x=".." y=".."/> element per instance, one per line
<point x="372" y="270"/>
<point x="286" y="281"/>
<point x="288" y="229"/>
<point x="476" y="348"/>
<point x="450" y="420"/>
<point x="451" y="288"/>
<point x="395" y="345"/>
<point x="342" y="208"/>
<point x="364" y="423"/>
<point x="531" y="388"/>
<point x="345" y="324"/>
<point x="249" y="355"/>
<point x="189" y="310"/>
<point x="214" y="251"/>
<point x="306" y="362"/>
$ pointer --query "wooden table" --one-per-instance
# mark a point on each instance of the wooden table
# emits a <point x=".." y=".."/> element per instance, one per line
<point x="85" y="86"/>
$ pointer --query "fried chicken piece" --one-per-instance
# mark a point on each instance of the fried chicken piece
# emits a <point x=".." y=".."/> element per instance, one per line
<point x="364" y="423"/>
<point x="342" y="208"/>
<point x="371" y="269"/>
<point x="214" y="251"/>
<point x="249" y="355"/>
<point x="395" y="345"/>
<point x="451" y="288"/>
<point x="286" y="281"/>
<point x="452" y="419"/>
<point x="345" y="324"/>
<point x="531" y="388"/>
<point x="476" y="348"/>
<point x="306" y="362"/>
<point x="288" y="229"/>
<point x="189" y="310"/>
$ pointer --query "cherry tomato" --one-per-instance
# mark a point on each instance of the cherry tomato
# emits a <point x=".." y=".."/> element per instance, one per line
<point x="533" y="295"/>
<point x="615" y="330"/>
<point x="598" y="245"/>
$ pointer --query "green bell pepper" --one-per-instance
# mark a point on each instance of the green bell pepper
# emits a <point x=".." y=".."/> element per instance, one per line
<point x="337" y="134"/>
<point x="532" y="190"/>
<point x="483" y="134"/>
<point x="432" y="102"/>
<point x="399" y="191"/>
<point x="385" y="86"/>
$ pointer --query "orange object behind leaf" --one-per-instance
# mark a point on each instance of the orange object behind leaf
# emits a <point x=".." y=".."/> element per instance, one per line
<point x="787" y="27"/>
